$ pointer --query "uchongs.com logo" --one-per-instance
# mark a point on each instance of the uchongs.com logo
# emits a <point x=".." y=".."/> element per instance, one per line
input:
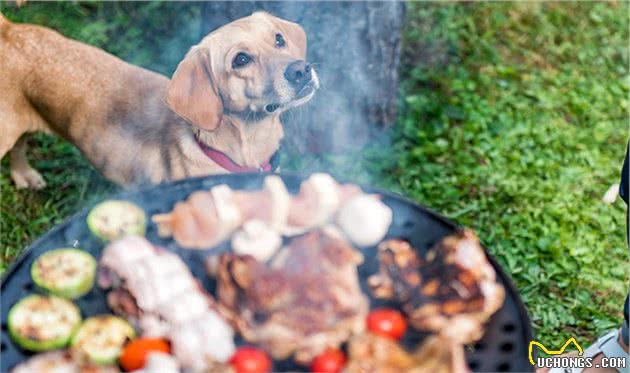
<point x="558" y="358"/>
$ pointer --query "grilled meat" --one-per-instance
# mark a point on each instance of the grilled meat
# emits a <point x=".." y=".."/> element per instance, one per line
<point x="317" y="202"/>
<point x="370" y="353"/>
<point x="156" y="290"/>
<point x="205" y="219"/>
<point x="452" y="292"/>
<point x="308" y="298"/>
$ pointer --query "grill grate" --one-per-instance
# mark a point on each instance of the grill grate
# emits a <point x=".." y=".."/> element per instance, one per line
<point x="503" y="347"/>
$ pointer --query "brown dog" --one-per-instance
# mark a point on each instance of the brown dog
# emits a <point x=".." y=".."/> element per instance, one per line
<point x="224" y="101"/>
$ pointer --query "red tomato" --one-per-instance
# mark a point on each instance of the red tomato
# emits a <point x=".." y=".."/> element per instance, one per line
<point x="330" y="361"/>
<point x="250" y="360"/>
<point x="387" y="322"/>
<point x="135" y="353"/>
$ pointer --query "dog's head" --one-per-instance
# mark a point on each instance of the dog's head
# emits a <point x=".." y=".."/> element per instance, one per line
<point x="254" y="65"/>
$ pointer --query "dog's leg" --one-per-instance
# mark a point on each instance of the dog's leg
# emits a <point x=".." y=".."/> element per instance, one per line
<point x="17" y="119"/>
<point x="23" y="175"/>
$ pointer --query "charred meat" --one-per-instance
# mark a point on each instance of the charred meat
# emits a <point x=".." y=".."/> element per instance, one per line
<point x="370" y="353"/>
<point x="452" y="292"/>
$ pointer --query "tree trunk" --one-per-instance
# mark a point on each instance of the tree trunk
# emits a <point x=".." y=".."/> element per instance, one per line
<point x="355" y="50"/>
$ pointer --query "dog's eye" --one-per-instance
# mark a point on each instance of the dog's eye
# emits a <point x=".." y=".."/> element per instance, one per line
<point x="280" y="41"/>
<point x="241" y="60"/>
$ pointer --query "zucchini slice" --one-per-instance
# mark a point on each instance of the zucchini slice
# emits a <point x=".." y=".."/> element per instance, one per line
<point x="68" y="273"/>
<point x="100" y="339"/>
<point x="42" y="323"/>
<point x="115" y="219"/>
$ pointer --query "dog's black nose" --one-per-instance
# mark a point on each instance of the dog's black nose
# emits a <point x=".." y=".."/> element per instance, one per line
<point x="298" y="73"/>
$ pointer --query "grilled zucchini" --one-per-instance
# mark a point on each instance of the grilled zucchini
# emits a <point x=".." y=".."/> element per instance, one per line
<point x="42" y="323"/>
<point x="100" y="339"/>
<point x="115" y="219"/>
<point x="68" y="273"/>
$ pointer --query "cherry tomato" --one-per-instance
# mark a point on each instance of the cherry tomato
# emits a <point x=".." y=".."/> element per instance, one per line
<point x="135" y="353"/>
<point x="387" y="322"/>
<point x="330" y="361"/>
<point x="250" y="360"/>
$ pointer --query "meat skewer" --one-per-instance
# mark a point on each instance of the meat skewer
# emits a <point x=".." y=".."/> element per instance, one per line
<point x="452" y="292"/>
<point x="198" y="222"/>
<point x="154" y="289"/>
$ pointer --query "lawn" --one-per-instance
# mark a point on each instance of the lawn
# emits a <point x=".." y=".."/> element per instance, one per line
<point x="513" y="121"/>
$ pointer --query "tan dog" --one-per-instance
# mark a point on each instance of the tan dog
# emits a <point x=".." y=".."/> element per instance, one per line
<point x="230" y="90"/>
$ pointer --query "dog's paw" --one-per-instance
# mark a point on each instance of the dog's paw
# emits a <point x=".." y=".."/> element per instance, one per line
<point x="30" y="179"/>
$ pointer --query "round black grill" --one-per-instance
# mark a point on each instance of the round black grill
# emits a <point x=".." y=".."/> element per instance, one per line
<point x="503" y="347"/>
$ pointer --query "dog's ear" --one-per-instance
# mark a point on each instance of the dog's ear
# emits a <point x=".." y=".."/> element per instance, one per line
<point x="295" y="35"/>
<point x="192" y="93"/>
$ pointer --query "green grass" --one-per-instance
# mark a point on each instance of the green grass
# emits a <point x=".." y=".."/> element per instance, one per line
<point x="519" y="135"/>
<point x="513" y="121"/>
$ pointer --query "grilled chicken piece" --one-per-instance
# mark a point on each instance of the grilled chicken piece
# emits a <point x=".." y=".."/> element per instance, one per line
<point x="271" y="205"/>
<point x="206" y="219"/>
<point x="452" y="292"/>
<point x="317" y="202"/>
<point x="154" y="289"/>
<point x="369" y="353"/>
<point x="308" y="298"/>
<point x="60" y="362"/>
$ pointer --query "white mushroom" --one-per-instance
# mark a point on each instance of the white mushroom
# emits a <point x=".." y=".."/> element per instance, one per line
<point x="256" y="239"/>
<point x="365" y="219"/>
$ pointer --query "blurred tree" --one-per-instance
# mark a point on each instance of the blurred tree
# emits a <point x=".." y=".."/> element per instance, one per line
<point x="355" y="47"/>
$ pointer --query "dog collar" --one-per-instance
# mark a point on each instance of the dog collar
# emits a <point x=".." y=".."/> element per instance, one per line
<point x="228" y="164"/>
